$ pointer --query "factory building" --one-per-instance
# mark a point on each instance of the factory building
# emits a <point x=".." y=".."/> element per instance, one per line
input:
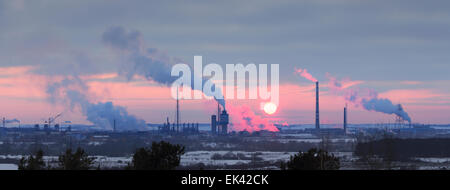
<point x="223" y="122"/>
<point x="173" y="129"/>
<point x="219" y="122"/>
<point x="213" y="124"/>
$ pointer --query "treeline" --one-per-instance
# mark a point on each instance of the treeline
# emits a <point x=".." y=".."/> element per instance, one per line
<point x="127" y="146"/>
<point x="165" y="156"/>
<point x="160" y="156"/>
<point x="404" y="149"/>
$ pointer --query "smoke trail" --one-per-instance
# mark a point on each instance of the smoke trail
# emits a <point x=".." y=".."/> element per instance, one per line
<point x="367" y="98"/>
<point x="147" y="62"/>
<point x="72" y="91"/>
<point x="140" y="61"/>
<point x="150" y="63"/>
<point x="385" y="106"/>
<point x="244" y="119"/>
<point x="304" y="73"/>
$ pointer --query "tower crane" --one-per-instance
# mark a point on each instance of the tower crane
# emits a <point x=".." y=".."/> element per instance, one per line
<point x="52" y="119"/>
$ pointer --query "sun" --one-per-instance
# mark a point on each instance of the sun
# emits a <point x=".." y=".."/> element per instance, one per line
<point x="270" y="108"/>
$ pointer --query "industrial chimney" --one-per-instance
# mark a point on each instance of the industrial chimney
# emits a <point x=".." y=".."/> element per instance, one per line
<point x="218" y="112"/>
<point x="114" y="126"/>
<point x="345" y="119"/>
<point x="317" y="106"/>
<point x="213" y="124"/>
<point x="178" y="113"/>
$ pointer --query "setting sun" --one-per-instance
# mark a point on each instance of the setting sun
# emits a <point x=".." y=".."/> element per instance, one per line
<point x="270" y="108"/>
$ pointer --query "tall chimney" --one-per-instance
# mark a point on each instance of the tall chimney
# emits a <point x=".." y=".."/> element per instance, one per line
<point x="213" y="124"/>
<point x="178" y="113"/>
<point x="317" y="106"/>
<point x="114" y="126"/>
<point x="218" y="112"/>
<point x="345" y="119"/>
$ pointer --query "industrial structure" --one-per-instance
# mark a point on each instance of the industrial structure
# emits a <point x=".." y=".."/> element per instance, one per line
<point x="219" y="123"/>
<point x="175" y="128"/>
<point x="178" y="112"/>
<point x="399" y="121"/>
<point x="213" y="124"/>
<point x="224" y="122"/>
<point x="172" y="129"/>
<point x="345" y="119"/>
<point x="317" y="106"/>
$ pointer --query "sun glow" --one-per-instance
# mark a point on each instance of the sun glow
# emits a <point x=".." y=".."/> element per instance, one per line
<point x="270" y="108"/>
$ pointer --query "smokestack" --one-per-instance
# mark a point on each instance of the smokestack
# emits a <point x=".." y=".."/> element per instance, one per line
<point x="213" y="124"/>
<point x="218" y="112"/>
<point x="345" y="119"/>
<point x="178" y="112"/>
<point x="317" y="106"/>
<point x="114" y="128"/>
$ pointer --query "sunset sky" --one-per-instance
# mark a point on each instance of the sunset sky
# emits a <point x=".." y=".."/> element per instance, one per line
<point x="400" y="49"/>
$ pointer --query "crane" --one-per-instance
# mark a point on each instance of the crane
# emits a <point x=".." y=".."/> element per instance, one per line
<point x="52" y="119"/>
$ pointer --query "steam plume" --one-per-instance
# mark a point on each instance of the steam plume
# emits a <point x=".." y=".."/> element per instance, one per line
<point x="244" y="119"/>
<point x="72" y="91"/>
<point x="367" y="98"/>
<point x="385" y="106"/>
<point x="147" y="62"/>
<point x="304" y="73"/>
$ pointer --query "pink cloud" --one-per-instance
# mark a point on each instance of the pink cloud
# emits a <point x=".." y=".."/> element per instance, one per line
<point x="243" y="118"/>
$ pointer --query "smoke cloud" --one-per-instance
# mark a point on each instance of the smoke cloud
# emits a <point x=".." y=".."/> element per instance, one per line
<point x="150" y="63"/>
<point x="72" y="91"/>
<point x="244" y="119"/>
<point x="366" y="98"/>
<point x="147" y="62"/>
<point x="304" y="73"/>
<point x="385" y="106"/>
<point x="142" y="61"/>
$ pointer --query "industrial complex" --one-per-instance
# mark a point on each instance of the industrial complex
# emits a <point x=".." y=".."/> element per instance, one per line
<point x="214" y="137"/>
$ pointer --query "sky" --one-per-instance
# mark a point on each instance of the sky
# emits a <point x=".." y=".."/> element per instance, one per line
<point x="397" y="48"/>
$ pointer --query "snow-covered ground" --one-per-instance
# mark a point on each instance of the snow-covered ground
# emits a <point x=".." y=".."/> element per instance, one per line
<point x="305" y="140"/>
<point x="189" y="158"/>
<point x="206" y="157"/>
<point x="8" y="167"/>
<point x="434" y="160"/>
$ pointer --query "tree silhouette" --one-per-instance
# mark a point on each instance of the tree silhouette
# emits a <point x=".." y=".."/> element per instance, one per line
<point x="161" y="156"/>
<point x="312" y="160"/>
<point x="33" y="162"/>
<point x="75" y="161"/>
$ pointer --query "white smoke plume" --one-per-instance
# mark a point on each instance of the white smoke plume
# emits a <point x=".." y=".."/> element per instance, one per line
<point x="244" y="119"/>
<point x="147" y="62"/>
<point x="304" y="73"/>
<point x="142" y="61"/>
<point x="366" y="98"/>
<point x="72" y="91"/>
